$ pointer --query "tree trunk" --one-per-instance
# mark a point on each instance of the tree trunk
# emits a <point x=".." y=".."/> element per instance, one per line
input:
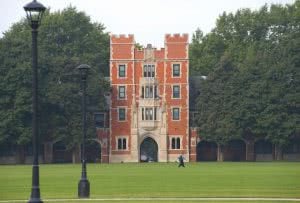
<point x="250" y="151"/>
<point x="48" y="152"/>
<point x="278" y="153"/>
<point x="220" y="156"/>
<point x="76" y="155"/>
<point x="20" y="155"/>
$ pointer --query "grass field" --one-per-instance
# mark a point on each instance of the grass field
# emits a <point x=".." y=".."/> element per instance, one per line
<point x="226" y="179"/>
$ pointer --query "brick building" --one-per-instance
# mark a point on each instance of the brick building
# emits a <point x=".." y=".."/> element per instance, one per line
<point x="148" y="117"/>
<point x="151" y="106"/>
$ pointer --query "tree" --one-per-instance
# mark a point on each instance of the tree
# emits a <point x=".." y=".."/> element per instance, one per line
<point x="67" y="38"/>
<point x="252" y="87"/>
<point x="204" y="53"/>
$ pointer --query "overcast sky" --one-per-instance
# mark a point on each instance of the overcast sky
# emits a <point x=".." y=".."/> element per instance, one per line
<point x="148" y="20"/>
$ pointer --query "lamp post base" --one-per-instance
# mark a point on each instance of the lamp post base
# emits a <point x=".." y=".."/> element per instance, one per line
<point x="35" y="200"/>
<point x="83" y="188"/>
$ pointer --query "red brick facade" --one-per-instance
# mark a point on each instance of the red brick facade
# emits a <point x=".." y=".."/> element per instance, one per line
<point x="149" y="101"/>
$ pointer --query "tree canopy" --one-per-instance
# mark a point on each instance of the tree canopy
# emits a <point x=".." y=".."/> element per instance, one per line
<point x="66" y="39"/>
<point x="252" y="61"/>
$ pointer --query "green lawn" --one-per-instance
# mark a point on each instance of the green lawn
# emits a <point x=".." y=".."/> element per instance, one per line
<point x="226" y="179"/>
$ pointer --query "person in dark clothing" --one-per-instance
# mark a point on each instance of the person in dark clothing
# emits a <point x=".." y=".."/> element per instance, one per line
<point x="181" y="161"/>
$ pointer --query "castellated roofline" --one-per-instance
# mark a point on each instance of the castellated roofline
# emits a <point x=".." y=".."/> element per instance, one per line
<point x="123" y="36"/>
<point x="122" y="39"/>
<point x="177" y="37"/>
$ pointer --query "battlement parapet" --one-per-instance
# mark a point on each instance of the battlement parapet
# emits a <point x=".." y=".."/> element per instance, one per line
<point x="122" y="38"/>
<point x="173" y="38"/>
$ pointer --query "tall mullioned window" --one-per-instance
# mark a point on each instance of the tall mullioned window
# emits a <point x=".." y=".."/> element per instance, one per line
<point x="149" y="91"/>
<point x="149" y="113"/>
<point x="149" y="70"/>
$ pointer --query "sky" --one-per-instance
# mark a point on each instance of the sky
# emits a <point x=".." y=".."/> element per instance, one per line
<point x="148" y="20"/>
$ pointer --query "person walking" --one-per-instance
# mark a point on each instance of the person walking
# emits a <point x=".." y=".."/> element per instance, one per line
<point x="181" y="161"/>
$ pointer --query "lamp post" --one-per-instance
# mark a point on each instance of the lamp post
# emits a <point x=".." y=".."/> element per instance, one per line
<point x="34" y="11"/>
<point x="83" y="185"/>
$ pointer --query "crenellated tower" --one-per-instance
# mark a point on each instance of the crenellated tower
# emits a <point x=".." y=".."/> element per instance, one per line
<point x="149" y="100"/>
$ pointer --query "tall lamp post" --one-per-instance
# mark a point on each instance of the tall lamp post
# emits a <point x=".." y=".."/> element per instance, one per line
<point x="83" y="185"/>
<point x="34" y="11"/>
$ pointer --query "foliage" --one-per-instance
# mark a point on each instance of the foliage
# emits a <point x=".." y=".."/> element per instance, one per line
<point x="66" y="39"/>
<point x="252" y="86"/>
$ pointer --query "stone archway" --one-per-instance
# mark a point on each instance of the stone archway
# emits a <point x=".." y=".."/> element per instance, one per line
<point x="93" y="151"/>
<point x="263" y="150"/>
<point x="148" y="150"/>
<point x="235" y="150"/>
<point x="206" y="151"/>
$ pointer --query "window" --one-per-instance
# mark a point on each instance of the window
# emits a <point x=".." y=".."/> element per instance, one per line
<point x="121" y="92"/>
<point x="176" y="91"/>
<point x="149" y="113"/>
<point x="175" y="143"/>
<point x="122" y="71"/>
<point x="122" y="114"/>
<point x="99" y="119"/>
<point x="176" y="70"/>
<point x="175" y="114"/>
<point x="122" y="143"/>
<point x="149" y="91"/>
<point x="155" y="92"/>
<point x="149" y="71"/>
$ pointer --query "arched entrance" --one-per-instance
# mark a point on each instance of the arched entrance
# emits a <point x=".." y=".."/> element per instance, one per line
<point x="263" y="150"/>
<point x="235" y="150"/>
<point x="61" y="154"/>
<point x="148" y="150"/>
<point x="206" y="151"/>
<point x="93" y="151"/>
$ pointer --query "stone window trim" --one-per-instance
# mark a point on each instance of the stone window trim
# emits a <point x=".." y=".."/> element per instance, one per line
<point x="174" y="85"/>
<point x="172" y="113"/>
<point x="118" y="110"/>
<point x="125" y="95"/>
<point x="172" y="69"/>
<point x="175" y="142"/>
<point x="122" y="143"/>
<point x="118" y="70"/>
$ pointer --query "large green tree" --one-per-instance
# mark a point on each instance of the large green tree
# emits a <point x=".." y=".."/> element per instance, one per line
<point x="252" y="86"/>
<point x="66" y="39"/>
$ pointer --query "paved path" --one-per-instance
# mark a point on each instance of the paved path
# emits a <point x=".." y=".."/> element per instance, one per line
<point x="164" y="199"/>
